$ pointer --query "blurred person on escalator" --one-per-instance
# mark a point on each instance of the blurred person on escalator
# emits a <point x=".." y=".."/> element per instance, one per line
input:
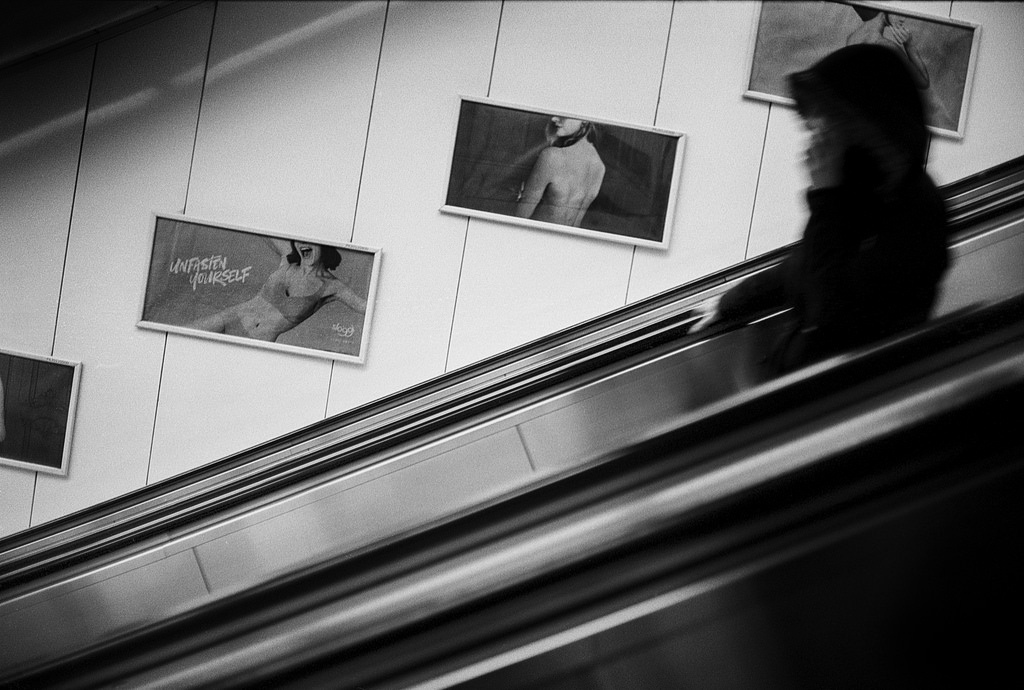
<point x="875" y="245"/>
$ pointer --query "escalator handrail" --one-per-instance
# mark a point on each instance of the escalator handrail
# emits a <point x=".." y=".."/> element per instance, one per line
<point x="393" y="419"/>
<point x="824" y="415"/>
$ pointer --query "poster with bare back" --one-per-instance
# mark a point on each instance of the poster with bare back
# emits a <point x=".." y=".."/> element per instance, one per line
<point x="240" y="285"/>
<point x="940" y="52"/>
<point x="37" y="411"/>
<point x="564" y="172"/>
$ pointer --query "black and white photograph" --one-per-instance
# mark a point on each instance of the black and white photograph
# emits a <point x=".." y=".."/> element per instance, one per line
<point x="564" y="172"/>
<point x="272" y="291"/>
<point x="37" y="411"/>
<point x="940" y="52"/>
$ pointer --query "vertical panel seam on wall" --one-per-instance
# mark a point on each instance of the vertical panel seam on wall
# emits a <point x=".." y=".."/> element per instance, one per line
<point x="184" y="208"/>
<point x="74" y="196"/>
<point x="929" y="137"/>
<point x="664" y="64"/>
<point x="32" y="501"/>
<point x="67" y="245"/>
<point x="654" y="123"/>
<point x="757" y="184"/>
<point x="494" y="53"/>
<point x="330" y="382"/>
<point x="156" y="409"/>
<point x="369" y="120"/>
<point x="629" y="274"/>
<point x="362" y="171"/>
<point x="199" y="110"/>
<point x="455" y="304"/>
<point x="465" y="235"/>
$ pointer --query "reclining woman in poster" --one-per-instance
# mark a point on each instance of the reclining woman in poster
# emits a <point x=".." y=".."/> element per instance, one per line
<point x="567" y="176"/>
<point x="302" y="283"/>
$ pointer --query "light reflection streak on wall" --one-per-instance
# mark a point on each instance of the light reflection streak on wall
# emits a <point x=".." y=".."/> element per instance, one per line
<point x="38" y="133"/>
<point x="225" y="68"/>
<point x="287" y="40"/>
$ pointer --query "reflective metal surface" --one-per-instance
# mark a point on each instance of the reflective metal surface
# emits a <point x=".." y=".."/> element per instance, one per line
<point x="345" y="442"/>
<point x="396" y="494"/>
<point x="412" y="462"/>
<point x="679" y="523"/>
<point x="912" y="597"/>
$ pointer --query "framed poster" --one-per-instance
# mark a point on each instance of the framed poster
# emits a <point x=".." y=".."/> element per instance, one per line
<point x="250" y="287"/>
<point x="37" y="411"/>
<point x="940" y="52"/>
<point x="564" y="172"/>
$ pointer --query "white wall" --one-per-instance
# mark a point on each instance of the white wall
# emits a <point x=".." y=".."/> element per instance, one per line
<point x="39" y="144"/>
<point x="335" y="120"/>
<point x="279" y="145"/>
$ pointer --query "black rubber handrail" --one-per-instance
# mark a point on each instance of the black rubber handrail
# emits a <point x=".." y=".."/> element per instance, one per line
<point x="985" y="195"/>
<point x="400" y="417"/>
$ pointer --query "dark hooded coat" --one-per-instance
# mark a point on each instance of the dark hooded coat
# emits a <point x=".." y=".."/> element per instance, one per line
<point x="875" y="247"/>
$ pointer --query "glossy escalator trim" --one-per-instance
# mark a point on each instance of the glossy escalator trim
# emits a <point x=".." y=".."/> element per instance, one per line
<point x="136" y="521"/>
<point x="983" y="180"/>
<point x="696" y="500"/>
<point x="303" y="527"/>
<point x="391" y="420"/>
<point x="985" y="195"/>
<point x="342" y="441"/>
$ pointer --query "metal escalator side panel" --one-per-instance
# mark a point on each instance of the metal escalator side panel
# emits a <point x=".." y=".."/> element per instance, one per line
<point x="405" y="605"/>
<point x="214" y="500"/>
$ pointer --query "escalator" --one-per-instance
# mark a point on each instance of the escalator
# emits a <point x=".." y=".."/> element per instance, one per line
<point x="683" y="478"/>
